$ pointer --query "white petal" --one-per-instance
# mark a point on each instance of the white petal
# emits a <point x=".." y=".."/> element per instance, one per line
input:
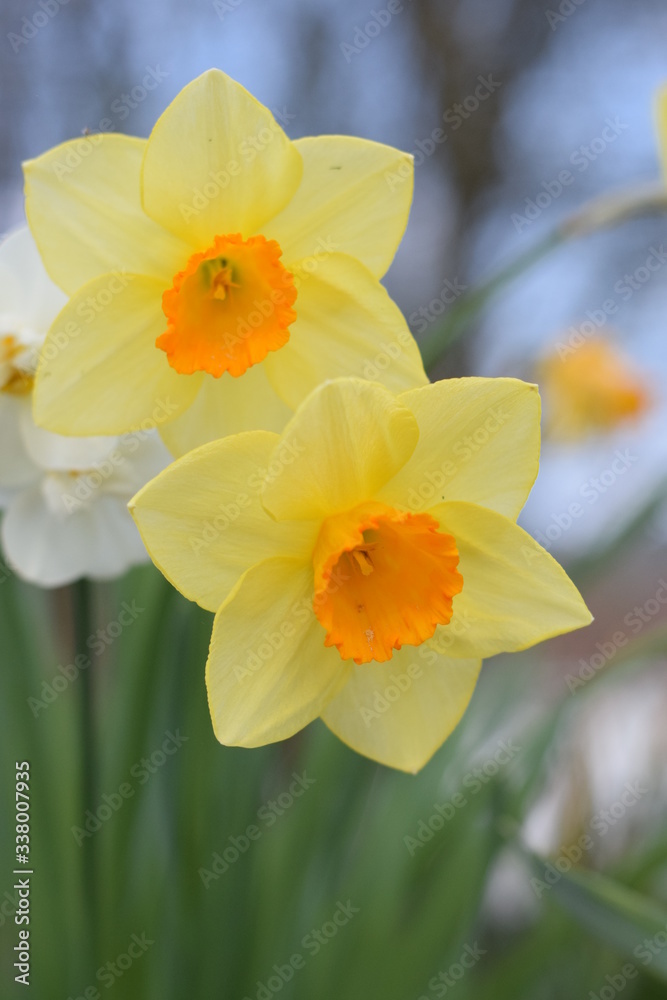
<point x="137" y="459"/>
<point x="64" y="454"/>
<point x="51" y="549"/>
<point x="25" y="288"/>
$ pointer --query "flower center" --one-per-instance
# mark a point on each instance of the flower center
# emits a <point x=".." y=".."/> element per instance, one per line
<point x="17" y="366"/>
<point x="383" y="578"/>
<point x="230" y="306"/>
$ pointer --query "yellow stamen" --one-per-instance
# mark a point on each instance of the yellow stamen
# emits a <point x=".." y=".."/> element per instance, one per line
<point x="383" y="578"/>
<point x="18" y="382"/>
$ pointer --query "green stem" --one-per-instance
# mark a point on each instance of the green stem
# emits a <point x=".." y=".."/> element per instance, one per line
<point x="82" y="617"/>
<point x="601" y="213"/>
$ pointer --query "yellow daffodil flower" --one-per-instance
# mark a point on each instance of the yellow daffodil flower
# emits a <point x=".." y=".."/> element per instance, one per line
<point x="591" y="388"/>
<point x="362" y="562"/>
<point x="217" y="271"/>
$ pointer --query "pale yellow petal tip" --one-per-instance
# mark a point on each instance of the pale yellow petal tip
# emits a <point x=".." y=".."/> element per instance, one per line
<point x="521" y="383"/>
<point x="660" y="119"/>
<point x="407" y="765"/>
<point x="579" y="617"/>
<point x="209" y="699"/>
<point x="586" y="617"/>
<point x="138" y="501"/>
<point x="213" y="71"/>
<point x="660" y="99"/>
<point x="410" y="760"/>
<point x="217" y="75"/>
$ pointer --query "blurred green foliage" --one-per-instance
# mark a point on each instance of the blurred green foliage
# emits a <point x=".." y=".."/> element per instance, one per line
<point x="351" y="884"/>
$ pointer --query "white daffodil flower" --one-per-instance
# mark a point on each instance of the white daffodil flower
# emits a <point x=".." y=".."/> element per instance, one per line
<point x="65" y="498"/>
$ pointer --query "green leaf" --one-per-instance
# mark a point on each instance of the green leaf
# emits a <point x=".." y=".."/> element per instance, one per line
<point x="628" y="922"/>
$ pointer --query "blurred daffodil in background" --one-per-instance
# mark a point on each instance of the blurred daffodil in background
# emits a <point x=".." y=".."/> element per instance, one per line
<point x="217" y="268"/>
<point x="591" y="388"/>
<point x="337" y="584"/>
<point x="65" y="499"/>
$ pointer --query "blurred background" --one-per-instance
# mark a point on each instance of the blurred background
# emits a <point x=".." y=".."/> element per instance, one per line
<point x="518" y="114"/>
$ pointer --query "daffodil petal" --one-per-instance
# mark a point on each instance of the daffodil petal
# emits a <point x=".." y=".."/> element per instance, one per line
<point x="227" y="406"/>
<point x="479" y="441"/>
<point x="204" y="525"/>
<point x="83" y="203"/>
<point x="341" y="446"/>
<point x="661" y="124"/>
<point x="354" y="197"/>
<point x="268" y="672"/>
<point x="346" y="325"/>
<point x="514" y="593"/>
<point x="399" y="713"/>
<point x="217" y="162"/>
<point x="100" y="371"/>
